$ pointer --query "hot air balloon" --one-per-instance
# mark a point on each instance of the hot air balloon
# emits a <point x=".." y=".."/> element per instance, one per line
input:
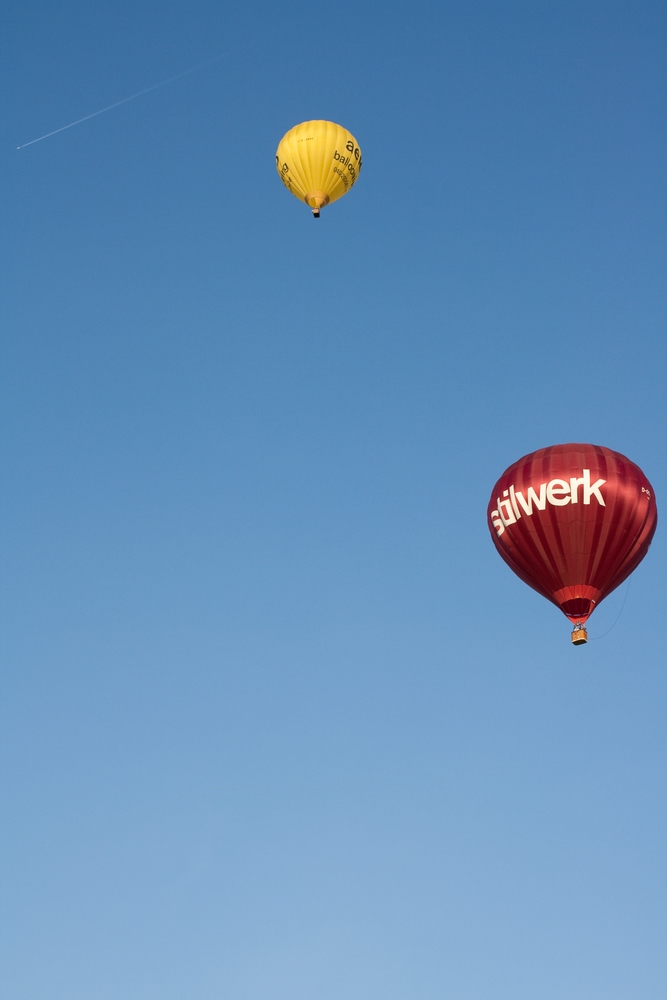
<point x="573" y="521"/>
<point x="318" y="162"/>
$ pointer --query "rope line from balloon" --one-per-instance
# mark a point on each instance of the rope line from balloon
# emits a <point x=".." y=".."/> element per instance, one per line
<point x="593" y="637"/>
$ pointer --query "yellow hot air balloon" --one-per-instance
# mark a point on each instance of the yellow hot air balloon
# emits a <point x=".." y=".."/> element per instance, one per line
<point x="318" y="162"/>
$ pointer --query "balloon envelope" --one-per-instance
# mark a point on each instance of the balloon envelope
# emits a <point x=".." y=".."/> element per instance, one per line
<point x="318" y="162"/>
<point x="573" y="521"/>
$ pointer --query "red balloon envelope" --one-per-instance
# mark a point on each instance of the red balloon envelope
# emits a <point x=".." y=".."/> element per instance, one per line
<point x="573" y="521"/>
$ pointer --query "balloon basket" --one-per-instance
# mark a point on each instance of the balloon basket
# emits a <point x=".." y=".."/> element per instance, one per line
<point x="579" y="635"/>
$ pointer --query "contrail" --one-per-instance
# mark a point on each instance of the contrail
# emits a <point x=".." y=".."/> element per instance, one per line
<point x="117" y="104"/>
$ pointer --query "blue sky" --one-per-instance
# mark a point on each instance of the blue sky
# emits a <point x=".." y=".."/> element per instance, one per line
<point x="276" y="720"/>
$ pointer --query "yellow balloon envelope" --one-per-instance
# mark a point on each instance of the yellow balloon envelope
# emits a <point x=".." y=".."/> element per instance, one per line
<point x="318" y="162"/>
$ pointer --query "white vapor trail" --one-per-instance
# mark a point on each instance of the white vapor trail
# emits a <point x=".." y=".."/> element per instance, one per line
<point x="117" y="104"/>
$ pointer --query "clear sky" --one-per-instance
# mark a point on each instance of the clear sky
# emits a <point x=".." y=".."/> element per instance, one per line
<point x="277" y="723"/>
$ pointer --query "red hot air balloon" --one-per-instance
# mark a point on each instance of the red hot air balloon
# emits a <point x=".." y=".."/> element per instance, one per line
<point x="573" y="521"/>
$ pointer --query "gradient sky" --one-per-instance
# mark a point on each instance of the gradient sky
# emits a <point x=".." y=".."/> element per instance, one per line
<point x="276" y="720"/>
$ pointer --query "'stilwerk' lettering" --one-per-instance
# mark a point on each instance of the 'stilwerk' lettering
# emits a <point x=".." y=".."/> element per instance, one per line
<point x="558" y="492"/>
